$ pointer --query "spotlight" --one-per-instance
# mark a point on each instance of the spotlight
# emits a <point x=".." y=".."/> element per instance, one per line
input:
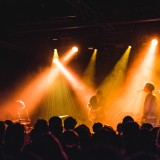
<point x="74" y="49"/>
<point x="154" y="42"/>
<point x="55" y="55"/>
<point x="55" y="60"/>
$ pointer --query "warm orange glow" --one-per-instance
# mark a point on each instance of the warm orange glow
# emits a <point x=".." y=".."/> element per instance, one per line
<point x="154" y="42"/>
<point x="122" y="87"/>
<point x="117" y="74"/>
<point x="140" y="71"/>
<point x="60" y="100"/>
<point x="74" y="49"/>
<point x="65" y="59"/>
<point x="113" y="90"/>
<point x="31" y="92"/>
<point x="89" y="73"/>
<point x="80" y="89"/>
<point x="55" y="54"/>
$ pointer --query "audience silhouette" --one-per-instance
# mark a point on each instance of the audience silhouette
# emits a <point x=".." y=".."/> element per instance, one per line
<point x="70" y="123"/>
<point x="56" y="127"/>
<point x="64" y="139"/>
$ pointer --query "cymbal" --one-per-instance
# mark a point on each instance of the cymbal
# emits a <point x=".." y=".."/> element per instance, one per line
<point x="64" y="116"/>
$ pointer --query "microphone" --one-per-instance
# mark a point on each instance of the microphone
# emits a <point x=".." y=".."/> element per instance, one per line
<point x="140" y="90"/>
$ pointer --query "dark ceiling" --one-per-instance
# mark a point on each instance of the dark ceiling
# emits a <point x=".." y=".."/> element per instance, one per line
<point x="31" y="29"/>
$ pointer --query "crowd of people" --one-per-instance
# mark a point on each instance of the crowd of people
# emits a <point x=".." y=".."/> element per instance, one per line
<point x="65" y="139"/>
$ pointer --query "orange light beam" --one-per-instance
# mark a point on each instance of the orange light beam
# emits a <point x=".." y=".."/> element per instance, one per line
<point x="83" y="92"/>
<point x="67" y="57"/>
<point x="32" y="92"/>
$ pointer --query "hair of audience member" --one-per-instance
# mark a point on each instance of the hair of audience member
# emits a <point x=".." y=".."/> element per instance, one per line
<point x="96" y="126"/>
<point x="40" y="127"/>
<point x="56" y="126"/>
<point x="84" y="134"/>
<point x="119" y="128"/>
<point x="147" y="126"/>
<point x="55" y="121"/>
<point x="70" y="123"/>
<point x="130" y="127"/>
<point x="127" y="118"/>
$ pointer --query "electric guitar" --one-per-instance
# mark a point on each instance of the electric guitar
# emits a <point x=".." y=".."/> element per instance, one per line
<point x="94" y="113"/>
<point x="95" y="105"/>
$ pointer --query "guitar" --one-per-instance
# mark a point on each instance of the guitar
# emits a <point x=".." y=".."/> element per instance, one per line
<point x="95" y="104"/>
<point x="94" y="113"/>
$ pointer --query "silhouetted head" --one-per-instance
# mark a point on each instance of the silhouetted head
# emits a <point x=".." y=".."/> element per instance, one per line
<point x="8" y="122"/>
<point x="99" y="92"/>
<point x="70" y="123"/>
<point x="96" y="126"/>
<point x="83" y="132"/>
<point x="55" y="121"/>
<point x="41" y="126"/>
<point x="130" y="128"/>
<point x="56" y="126"/>
<point x="149" y="87"/>
<point x="119" y="128"/>
<point x="127" y="118"/>
<point x="147" y="126"/>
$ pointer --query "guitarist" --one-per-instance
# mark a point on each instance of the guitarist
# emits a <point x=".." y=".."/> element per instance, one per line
<point x="95" y="104"/>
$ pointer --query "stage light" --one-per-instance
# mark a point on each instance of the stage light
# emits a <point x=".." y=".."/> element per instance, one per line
<point x="55" y="60"/>
<point x="55" y="55"/>
<point x="65" y="59"/>
<point x="90" y="48"/>
<point x="74" y="49"/>
<point x="154" y="41"/>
